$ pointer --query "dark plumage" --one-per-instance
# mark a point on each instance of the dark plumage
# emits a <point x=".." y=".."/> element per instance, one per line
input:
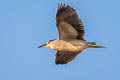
<point x="68" y="14"/>
<point x="63" y="57"/>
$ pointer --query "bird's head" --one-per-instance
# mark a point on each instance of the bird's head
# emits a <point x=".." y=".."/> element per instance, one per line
<point x="48" y="44"/>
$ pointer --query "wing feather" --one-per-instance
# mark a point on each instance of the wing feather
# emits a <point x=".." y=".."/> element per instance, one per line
<point x="68" y="15"/>
<point x="63" y="57"/>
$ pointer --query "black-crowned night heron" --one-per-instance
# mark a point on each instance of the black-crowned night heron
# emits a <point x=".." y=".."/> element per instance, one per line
<point x="71" y="31"/>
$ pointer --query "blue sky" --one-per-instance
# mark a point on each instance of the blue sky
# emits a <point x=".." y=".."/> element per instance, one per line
<point x="26" y="24"/>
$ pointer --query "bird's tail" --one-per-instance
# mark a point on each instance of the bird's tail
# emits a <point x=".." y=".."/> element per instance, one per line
<point x="94" y="45"/>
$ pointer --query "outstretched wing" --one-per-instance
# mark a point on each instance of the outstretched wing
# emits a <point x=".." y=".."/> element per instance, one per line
<point x="63" y="57"/>
<point x="68" y="23"/>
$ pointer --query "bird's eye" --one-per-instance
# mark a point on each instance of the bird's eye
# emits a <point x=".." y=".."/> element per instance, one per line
<point x="49" y="42"/>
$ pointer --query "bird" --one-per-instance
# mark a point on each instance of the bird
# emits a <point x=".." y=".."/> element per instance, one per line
<point x="71" y="31"/>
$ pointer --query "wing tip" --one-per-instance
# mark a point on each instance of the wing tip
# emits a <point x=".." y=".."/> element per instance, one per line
<point x="60" y="62"/>
<point x="60" y="5"/>
<point x="65" y="10"/>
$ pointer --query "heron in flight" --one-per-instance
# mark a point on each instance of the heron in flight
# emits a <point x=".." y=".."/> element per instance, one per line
<point x="71" y="40"/>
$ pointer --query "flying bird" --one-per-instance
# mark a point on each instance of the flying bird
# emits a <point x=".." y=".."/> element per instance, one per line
<point x="71" y="40"/>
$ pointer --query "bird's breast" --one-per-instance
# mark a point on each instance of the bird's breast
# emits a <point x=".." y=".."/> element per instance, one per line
<point x="61" y="45"/>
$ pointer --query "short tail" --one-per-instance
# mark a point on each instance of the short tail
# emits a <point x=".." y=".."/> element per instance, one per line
<point x="94" y="45"/>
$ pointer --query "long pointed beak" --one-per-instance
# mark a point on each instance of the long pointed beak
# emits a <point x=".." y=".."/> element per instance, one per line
<point x="44" y="45"/>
